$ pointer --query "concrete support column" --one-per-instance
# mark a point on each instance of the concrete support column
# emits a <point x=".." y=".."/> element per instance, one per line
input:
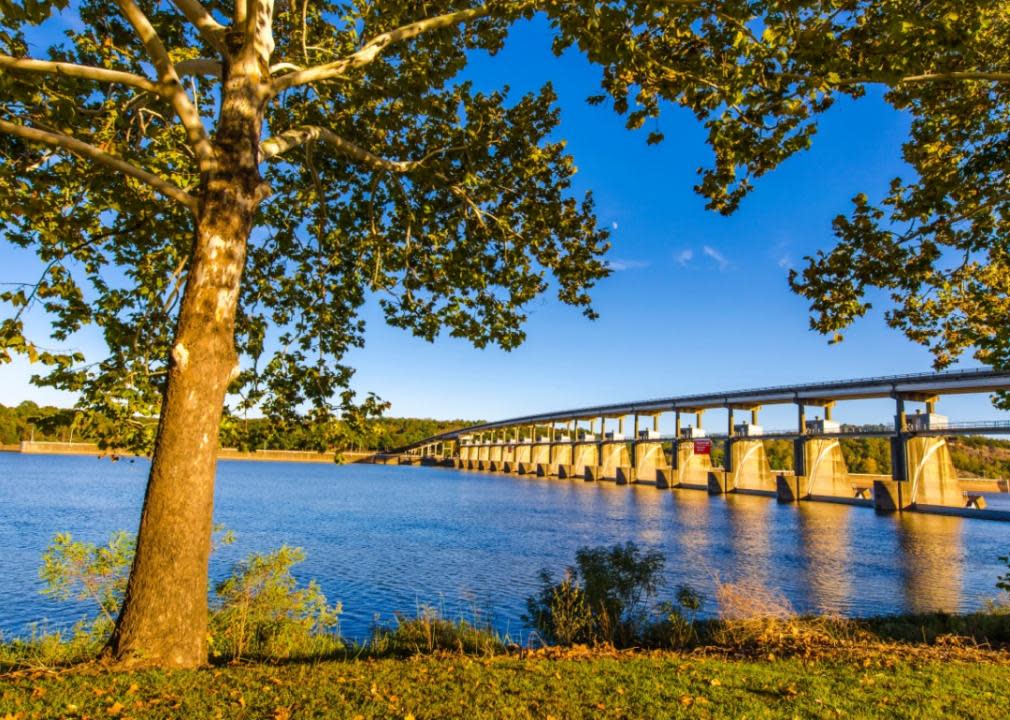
<point x="799" y="444"/>
<point x="727" y="462"/>
<point x="899" y="460"/>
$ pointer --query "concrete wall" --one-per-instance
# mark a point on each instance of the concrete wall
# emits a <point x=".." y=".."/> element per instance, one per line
<point x="931" y="472"/>
<point x="749" y="467"/>
<point x="585" y="455"/>
<point x="692" y="470"/>
<point x="561" y="455"/>
<point x="826" y="472"/>
<point x="649" y="457"/>
<point x="614" y="455"/>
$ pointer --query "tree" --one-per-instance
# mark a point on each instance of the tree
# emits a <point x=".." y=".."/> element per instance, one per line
<point x="219" y="186"/>
<point x="936" y="245"/>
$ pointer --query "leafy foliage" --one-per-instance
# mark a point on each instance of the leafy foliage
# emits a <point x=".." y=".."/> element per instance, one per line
<point x="85" y="572"/>
<point x="262" y="612"/>
<point x="936" y="244"/>
<point x="604" y="598"/>
<point x="451" y="206"/>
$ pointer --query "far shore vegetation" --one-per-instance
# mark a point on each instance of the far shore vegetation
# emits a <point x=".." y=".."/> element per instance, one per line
<point x="29" y="420"/>
<point x="973" y="456"/>
<point x="603" y="639"/>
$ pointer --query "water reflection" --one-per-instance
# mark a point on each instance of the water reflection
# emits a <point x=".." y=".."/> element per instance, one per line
<point x="827" y="557"/>
<point x="749" y="539"/>
<point x="932" y="561"/>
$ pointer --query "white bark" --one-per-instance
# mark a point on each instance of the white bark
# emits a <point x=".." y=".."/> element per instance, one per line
<point x="210" y="29"/>
<point x="374" y="47"/>
<point x="79" y="71"/>
<point x="169" y="80"/>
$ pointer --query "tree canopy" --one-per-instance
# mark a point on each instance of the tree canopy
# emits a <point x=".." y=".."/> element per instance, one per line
<point x="387" y="174"/>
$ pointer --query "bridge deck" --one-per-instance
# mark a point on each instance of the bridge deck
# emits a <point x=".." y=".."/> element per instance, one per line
<point x="911" y="386"/>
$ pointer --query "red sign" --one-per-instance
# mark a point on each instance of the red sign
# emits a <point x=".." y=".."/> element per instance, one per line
<point x="703" y="447"/>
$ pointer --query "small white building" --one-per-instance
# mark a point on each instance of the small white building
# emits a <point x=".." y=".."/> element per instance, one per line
<point x="819" y="426"/>
<point x="748" y="430"/>
<point x="926" y="421"/>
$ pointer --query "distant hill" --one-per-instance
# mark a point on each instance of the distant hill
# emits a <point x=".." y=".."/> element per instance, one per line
<point x="46" y="422"/>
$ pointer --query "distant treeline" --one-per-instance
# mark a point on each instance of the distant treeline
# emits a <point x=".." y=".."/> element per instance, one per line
<point x="47" y="423"/>
<point x="973" y="455"/>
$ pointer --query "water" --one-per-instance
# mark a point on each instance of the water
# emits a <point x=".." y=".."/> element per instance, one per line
<point x="384" y="538"/>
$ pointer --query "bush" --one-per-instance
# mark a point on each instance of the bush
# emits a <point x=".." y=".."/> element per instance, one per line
<point x="259" y="611"/>
<point x="262" y="613"/>
<point x="605" y="598"/>
<point x="84" y="572"/>
<point x="429" y="632"/>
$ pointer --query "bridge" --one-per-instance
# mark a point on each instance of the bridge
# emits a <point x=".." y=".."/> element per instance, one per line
<point x="591" y="443"/>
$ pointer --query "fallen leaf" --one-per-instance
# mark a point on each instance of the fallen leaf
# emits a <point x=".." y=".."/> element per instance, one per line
<point x="282" y="713"/>
<point x="114" y="709"/>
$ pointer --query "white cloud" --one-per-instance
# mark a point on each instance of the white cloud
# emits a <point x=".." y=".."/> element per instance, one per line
<point x="785" y="262"/>
<point x="684" y="257"/>
<point x="613" y="225"/>
<point x="717" y="256"/>
<point x="618" y="265"/>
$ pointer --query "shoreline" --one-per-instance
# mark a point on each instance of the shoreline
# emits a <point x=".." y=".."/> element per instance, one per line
<point x="28" y="447"/>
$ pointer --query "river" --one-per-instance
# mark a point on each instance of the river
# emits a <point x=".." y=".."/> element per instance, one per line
<point x="383" y="538"/>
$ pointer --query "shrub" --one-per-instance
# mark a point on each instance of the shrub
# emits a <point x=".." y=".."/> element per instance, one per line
<point x="429" y="632"/>
<point x="85" y="572"/>
<point x="675" y="626"/>
<point x="602" y="599"/>
<point x="261" y="611"/>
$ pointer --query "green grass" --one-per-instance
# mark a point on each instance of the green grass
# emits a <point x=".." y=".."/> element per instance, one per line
<point x="608" y="685"/>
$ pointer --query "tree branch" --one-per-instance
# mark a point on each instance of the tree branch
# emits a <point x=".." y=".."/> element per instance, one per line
<point x="259" y="32"/>
<point x="373" y="47"/>
<point x="289" y="139"/>
<point x="198" y="66"/>
<point x="892" y="80"/>
<point x="169" y="79"/>
<point x="90" y="152"/>
<point x="210" y="29"/>
<point x="87" y="72"/>
<point x="959" y="75"/>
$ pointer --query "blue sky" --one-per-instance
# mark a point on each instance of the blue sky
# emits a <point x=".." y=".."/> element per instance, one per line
<point x="698" y="302"/>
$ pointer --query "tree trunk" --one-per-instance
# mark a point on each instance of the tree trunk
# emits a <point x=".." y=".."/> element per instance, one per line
<point x="163" y="621"/>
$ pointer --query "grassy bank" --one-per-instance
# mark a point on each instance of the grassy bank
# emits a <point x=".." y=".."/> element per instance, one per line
<point x="892" y="683"/>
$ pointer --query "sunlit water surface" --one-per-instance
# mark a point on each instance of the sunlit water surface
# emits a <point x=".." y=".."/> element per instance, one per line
<point x="382" y="538"/>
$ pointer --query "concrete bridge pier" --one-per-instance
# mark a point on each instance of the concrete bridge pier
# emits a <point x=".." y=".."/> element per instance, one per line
<point x="923" y="472"/>
<point x="524" y="458"/>
<point x="541" y="457"/>
<point x="508" y="456"/>
<point x="561" y="457"/>
<point x="585" y="455"/>
<point x="748" y="470"/>
<point x="819" y="464"/>
<point x="690" y="470"/>
<point x="648" y="457"/>
<point x="483" y="455"/>
<point x="495" y="455"/>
